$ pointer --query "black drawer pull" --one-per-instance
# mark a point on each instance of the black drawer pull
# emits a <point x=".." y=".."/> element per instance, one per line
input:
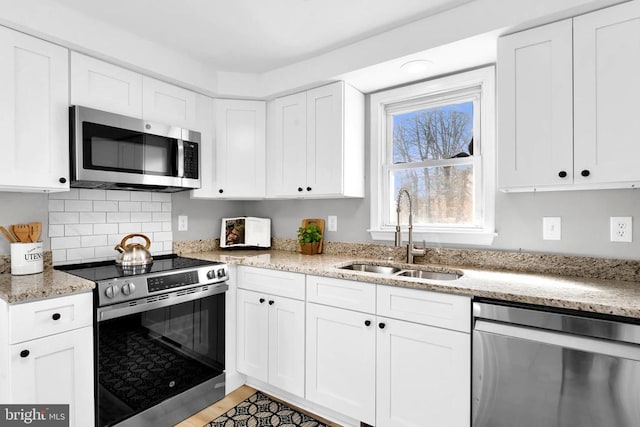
<point x="56" y="316"/>
<point x="381" y="325"/>
<point x="585" y="173"/>
<point x="221" y="191"/>
<point x="308" y="188"/>
<point x="299" y="188"/>
<point x="271" y="302"/>
<point x="62" y="180"/>
<point x="562" y="174"/>
<point x="24" y="353"/>
<point x="261" y="300"/>
<point x="367" y="323"/>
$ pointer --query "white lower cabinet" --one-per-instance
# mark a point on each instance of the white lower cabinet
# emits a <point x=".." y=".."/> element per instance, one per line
<point x="341" y="369"/>
<point x="270" y="344"/>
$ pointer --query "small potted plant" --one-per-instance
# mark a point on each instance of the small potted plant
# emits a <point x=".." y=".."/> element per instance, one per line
<point x="309" y="238"/>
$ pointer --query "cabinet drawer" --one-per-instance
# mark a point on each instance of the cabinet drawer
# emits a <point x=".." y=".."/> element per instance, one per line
<point x="342" y="293"/>
<point x="51" y="316"/>
<point x="429" y="308"/>
<point x="272" y="282"/>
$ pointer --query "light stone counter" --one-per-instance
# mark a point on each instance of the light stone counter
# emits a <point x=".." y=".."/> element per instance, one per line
<point x="615" y="297"/>
<point x="48" y="284"/>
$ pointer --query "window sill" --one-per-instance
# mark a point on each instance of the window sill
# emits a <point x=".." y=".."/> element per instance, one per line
<point x="455" y="237"/>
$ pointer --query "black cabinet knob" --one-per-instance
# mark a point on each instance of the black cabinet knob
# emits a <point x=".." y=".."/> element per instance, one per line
<point x="271" y="302"/>
<point x="585" y="172"/>
<point x="221" y="191"/>
<point x="308" y="188"/>
<point x="261" y="300"/>
<point x="381" y="325"/>
<point x="56" y="316"/>
<point x="24" y="353"/>
<point x="299" y="188"/>
<point x="62" y="180"/>
<point x="562" y="174"/>
<point x="367" y="323"/>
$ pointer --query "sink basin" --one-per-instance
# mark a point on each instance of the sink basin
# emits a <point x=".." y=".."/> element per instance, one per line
<point x="387" y="270"/>
<point x="370" y="268"/>
<point x="427" y="274"/>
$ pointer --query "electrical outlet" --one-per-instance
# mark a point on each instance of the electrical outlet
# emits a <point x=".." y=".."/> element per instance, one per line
<point x="621" y="228"/>
<point x="551" y="228"/>
<point x="183" y="223"/>
<point x="332" y="223"/>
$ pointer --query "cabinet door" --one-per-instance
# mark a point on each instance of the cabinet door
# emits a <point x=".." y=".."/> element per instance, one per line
<point x="607" y="89"/>
<point x="168" y="104"/>
<point x="57" y="369"/>
<point x="98" y="84"/>
<point x="287" y="153"/>
<point x="341" y="362"/>
<point x="325" y="152"/>
<point x="535" y="117"/>
<point x="286" y="344"/>
<point x="423" y="376"/>
<point x="252" y="333"/>
<point x="240" y="148"/>
<point x="34" y="114"/>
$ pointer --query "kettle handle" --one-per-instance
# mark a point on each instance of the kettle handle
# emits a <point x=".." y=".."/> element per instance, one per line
<point x="147" y="240"/>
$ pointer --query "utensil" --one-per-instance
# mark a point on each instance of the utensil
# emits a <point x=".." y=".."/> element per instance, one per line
<point x="7" y="235"/>
<point x="21" y="231"/>
<point x="133" y="254"/>
<point x="35" y="230"/>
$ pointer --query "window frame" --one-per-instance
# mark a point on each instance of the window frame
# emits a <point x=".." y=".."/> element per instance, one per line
<point x="459" y="85"/>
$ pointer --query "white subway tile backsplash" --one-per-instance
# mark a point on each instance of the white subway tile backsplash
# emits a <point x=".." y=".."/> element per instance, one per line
<point x="56" y="230"/>
<point x="85" y="194"/>
<point x="140" y="216"/>
<point x="161" y="216"/>
<point x="161" y="197"/>
<point x="129" y="206"/>
<point x="140" y="196"/>
<point x="105" y="206"/>
<point x="118" y="195"/>
<point x="148" y="227"/>
<point x="129" y="227"/>
<point x="78" y="229"/>
<point x="91" y="241"/>
<point x="85" y="225"/>
<point x="78" y="206"/>
<point x="118" y="217"/>
<point x="64" y="217"/>
<point x="151" y="207"/>
<point x="93" y="217"/>
<point x="105" y="228"/>
<point x="65" y="242"/>
<point x="56" y="205"/>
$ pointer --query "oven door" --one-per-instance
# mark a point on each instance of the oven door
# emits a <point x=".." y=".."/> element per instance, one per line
<point x="160" y="359"/>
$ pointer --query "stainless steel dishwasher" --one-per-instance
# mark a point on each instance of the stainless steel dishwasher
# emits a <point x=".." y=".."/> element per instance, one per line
<point x="535" y="368"/>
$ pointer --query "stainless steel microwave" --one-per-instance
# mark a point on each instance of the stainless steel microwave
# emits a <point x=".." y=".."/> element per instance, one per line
<point x="111" y="151"/>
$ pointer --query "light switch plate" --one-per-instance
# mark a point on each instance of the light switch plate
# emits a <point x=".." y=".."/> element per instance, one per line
<point x="332" y="223"/>
<point x="551" y="228"/>
<point x="183" y="223"/>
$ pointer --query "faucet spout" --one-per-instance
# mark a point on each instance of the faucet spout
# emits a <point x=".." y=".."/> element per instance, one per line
<point x="411" y="249"/>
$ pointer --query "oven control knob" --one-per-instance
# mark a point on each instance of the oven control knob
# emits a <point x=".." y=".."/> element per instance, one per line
<point x="111" y="291"/>
<point x="221" y="273"/>
<point x="128" y="288"/>
<point x="211" y="274"/>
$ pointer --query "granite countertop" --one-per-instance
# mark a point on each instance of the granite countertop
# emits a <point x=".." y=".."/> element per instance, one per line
<point x="614" y="297"/>
<point x="48" y="284"/>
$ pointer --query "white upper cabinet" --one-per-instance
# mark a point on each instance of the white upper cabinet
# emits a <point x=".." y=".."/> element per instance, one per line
<point x="238" y="152"/>
<point x="552" y="139"/>
<point x="103" y="86"/>
<point x="165" y="103"/>
<point x="34" y="114"/>
<point x="535" y="107"/>
<point x="316" y="144"/>
<point x="607" y="90"/>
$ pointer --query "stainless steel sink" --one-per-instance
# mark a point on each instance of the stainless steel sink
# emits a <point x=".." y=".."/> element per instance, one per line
<point x="387" y="270"/>
<point x="427" y="274"/>
<point x="370" y="268"/>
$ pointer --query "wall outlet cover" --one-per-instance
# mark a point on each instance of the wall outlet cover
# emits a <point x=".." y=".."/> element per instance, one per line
<point x="621" y="228"/>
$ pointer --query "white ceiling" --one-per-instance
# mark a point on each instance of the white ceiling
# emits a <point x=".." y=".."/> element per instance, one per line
<point x="255" y="36"/>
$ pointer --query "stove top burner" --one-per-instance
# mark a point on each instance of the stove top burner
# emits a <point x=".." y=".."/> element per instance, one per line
<point x="103" y="270"/>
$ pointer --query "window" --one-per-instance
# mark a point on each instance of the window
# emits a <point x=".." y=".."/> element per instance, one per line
<point x="435" y="139"/>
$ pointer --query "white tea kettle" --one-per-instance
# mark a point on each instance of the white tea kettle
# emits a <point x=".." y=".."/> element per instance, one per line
<point x="133" y="254"/>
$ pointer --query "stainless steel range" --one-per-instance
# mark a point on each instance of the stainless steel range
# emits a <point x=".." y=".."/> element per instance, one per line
<point x="159" y="339"/>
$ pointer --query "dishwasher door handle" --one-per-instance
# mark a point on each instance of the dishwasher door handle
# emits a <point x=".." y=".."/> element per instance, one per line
<point x="590" y="345"/>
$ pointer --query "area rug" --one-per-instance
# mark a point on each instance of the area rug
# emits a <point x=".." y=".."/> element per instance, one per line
<point x="260" y="410"/>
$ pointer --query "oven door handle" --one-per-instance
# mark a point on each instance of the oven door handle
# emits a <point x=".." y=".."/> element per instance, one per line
<point x="158" y="301"/>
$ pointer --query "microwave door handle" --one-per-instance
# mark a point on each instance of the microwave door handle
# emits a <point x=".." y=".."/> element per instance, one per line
<point x="180" y="159"/>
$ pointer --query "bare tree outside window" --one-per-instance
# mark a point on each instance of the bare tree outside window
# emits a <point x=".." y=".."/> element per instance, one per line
<point x="432" y="157"/>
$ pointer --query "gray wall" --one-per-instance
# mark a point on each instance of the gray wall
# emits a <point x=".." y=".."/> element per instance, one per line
<point x="204" y="216"/>
<point x="20" y="208"/>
